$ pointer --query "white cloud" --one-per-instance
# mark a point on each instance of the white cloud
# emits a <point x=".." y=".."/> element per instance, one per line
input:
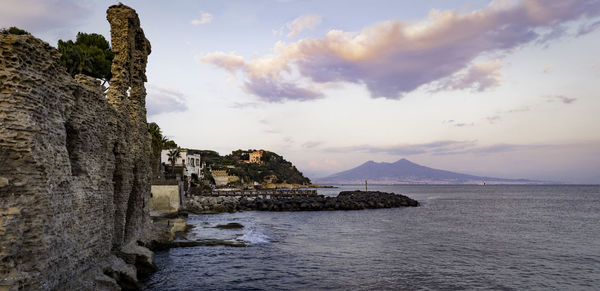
<point x="205" y="18"/>
<point x="302" y="23"/>
<point x="163" y="100"/>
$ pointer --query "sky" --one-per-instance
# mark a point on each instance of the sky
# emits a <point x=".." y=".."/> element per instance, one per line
<point x="497" y="88"/>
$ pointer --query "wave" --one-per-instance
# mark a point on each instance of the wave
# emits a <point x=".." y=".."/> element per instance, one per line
<point x="254" y="237"/>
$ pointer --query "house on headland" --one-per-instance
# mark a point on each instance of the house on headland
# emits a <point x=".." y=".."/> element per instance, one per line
<point x="188" y="160"/>
<point x="256" y="157"/>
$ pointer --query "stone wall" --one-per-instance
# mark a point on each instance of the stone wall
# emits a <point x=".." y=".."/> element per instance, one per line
<point x="165" y="198"/>
<point x="74" y="165"/>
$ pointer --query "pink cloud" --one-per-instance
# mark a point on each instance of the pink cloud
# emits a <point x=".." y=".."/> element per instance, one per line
<point x="302" y="23"/>
<point x="478" y="77"/>
<point x="395" y="57"/>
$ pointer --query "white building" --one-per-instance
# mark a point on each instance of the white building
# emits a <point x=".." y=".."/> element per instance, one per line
<point x="190" y="162"/>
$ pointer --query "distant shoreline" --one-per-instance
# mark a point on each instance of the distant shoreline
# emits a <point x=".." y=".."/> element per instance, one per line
<point x="336" y="185"/>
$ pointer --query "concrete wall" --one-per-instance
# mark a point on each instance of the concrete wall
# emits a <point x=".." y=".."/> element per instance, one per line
<point x="165" y="198"/>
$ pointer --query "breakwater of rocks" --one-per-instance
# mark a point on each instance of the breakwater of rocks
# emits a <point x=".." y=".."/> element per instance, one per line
<point x="347" y="200"/>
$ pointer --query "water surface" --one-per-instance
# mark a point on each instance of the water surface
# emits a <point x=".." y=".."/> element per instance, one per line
<point x="462" y="237"/>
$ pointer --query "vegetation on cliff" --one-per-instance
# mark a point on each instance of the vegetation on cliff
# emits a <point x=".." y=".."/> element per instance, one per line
<point x="90" y="54"/>
<point x="13" y="30"/>
<point x="273" y="169"/>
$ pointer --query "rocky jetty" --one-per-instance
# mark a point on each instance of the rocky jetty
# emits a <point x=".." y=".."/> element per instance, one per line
<point x="347" y="200"/>
<point x="74" y="166"/>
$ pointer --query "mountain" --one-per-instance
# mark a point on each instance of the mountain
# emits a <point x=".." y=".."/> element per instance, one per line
<point x="406" y="172"/>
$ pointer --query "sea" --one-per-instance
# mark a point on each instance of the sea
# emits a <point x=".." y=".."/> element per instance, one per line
<point x="495" y="237"/>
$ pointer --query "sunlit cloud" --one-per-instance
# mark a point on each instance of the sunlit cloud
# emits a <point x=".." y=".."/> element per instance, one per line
<point x="479" y="77"/>
<point x="301" y="23"/>
<point x="272" y="91"/>
<point x="164" y="100"/>
<point x="393" y="58"/>
<point x="205" y="18"/>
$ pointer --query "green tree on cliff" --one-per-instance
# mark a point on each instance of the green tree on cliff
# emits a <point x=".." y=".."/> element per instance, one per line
<point x="13" y="30"/>
<point x="90" y="54"/>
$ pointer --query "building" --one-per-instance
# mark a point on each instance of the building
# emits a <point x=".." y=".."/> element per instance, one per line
<point x="256" y="157"/>
<point x="222" y="178"/>
<point x="191" y="162"/>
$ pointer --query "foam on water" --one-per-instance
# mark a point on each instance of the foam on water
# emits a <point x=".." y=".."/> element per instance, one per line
<point x="254" y="237"/>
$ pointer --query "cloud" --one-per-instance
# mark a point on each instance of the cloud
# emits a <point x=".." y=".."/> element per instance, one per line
<point x="493" y="119"/>
<point x="272" y="91"/>
<point x="479" y="77"/>
<point x="41" y="16"/>
<point x="392" y="58"/>
<point x="588" y="27"/>
<point x="559" y="98"/>
<point x="446" y="147"/>
<point x="229" y="62"/>
<point x="164" y="100"/>
<point x="457" y="124"/>
<point x="437" y="147"/>
<point x="205" y="18"/>
<point x="302" y="23"/>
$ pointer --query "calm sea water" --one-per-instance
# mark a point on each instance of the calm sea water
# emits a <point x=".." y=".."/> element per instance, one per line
<point x="462" y="237"/>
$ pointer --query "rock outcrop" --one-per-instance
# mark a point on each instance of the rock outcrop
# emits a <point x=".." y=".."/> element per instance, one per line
<point x="74" y="165"/>
<point x="347" y="200"/>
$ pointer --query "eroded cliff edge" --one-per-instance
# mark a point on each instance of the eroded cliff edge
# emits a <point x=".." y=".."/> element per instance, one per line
<point x="74" y="165"/>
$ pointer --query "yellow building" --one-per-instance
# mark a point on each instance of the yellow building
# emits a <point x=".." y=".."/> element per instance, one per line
<point x="255" y="157"/>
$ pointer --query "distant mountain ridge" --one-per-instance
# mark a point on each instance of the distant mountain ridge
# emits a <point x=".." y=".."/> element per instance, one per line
<point x="406" y="172"/>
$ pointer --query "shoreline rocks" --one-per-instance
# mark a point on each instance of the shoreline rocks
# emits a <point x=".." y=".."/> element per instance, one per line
<point x="346" y="200"/>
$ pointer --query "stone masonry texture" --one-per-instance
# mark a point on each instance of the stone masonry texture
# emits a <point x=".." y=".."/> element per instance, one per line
<point x="74" y="164"/>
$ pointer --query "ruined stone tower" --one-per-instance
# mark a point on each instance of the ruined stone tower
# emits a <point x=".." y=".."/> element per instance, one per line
<point x="74" y="165"/>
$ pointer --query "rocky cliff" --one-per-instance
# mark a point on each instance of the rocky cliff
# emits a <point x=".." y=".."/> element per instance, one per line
<point x="74" y="165"/>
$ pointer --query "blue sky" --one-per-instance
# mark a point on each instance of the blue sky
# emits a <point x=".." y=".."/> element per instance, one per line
<point x="497" y="88"/>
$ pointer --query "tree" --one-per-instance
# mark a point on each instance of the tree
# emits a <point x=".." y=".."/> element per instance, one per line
<point x="90" y="54"/>
<point x="159" y="143"/>
<point x="173" y="155"/>
<point x="13" y="30"/>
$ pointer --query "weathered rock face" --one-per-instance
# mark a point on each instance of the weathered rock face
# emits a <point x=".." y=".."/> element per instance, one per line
<point x="74" y="165"/>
